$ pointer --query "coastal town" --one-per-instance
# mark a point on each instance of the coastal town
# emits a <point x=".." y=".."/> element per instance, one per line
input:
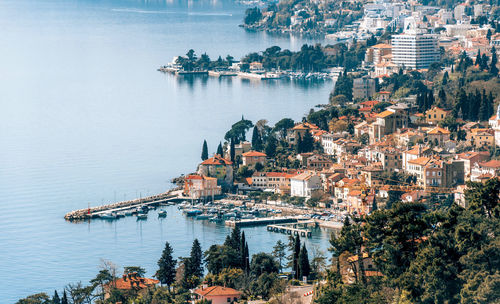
<point x="401" y="163"/>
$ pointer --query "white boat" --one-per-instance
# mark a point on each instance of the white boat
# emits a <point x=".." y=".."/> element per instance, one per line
<point x="107" y="216"/>
<point x="142" y="216"/>
<point x="162" y="213"/>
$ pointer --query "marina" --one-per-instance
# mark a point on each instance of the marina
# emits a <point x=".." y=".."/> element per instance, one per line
<point x="299" y="228"/>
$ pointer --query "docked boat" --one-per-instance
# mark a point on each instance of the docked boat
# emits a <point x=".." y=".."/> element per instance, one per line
<point x="129" y="212"/>
<point x="162" y="213"/>
<point x="142" y="216"/>
<point x="203" y="217"/>
<point x="192" y="212"/>
<point x="108" y="216"/>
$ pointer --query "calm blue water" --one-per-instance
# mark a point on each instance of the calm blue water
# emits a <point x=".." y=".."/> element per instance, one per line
<point x="85" y="118"/>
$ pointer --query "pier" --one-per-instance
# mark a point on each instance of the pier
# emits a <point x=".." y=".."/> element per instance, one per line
<point x="88" y="213"/>
<point x="299" y="228"/>
<point x="264" y="221"/>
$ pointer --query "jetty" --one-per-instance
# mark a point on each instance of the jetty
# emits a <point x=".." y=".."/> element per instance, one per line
<point x="88" y="213"/>
<point x="299" y="228"/>
<point x="264" y="221"/>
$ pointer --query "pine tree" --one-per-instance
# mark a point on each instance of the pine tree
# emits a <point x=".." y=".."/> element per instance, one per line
<point x="247" y="259"/>
<point x="484" y="62"/>
<point x="488" y="35"/>
<point x="304" y="266"/>
<point x="166" y="272"/>
<point x="204" y="151"/>
<point x="55" y="298"/>
<point x="493" y="64"/>
<point x="442" y="98"/>
<point x="279" y="253"/>
<point x="219" y="149"/>
<point x="271" y="146"/>
<point x="195" y="264"/>
<point x="444" y="81"/>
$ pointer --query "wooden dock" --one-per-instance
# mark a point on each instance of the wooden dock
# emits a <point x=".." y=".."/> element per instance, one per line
<point x="299" y="228"/>
<point x="264" y="221"/>
<point x="88" y="213"/>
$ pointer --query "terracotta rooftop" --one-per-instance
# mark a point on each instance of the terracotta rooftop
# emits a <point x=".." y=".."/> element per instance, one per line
<point x="438" y="131"/>
<point x="217" y="160"/>
<point x="132" y="281"/>
<point x="254" y="154"/>
<point x="491" y="164"/>
<point x="422" y="161"/>
<point x="385" y="114"/>
<point x="214" y="291"/>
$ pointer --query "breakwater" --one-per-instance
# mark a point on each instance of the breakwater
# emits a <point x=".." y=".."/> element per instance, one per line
<point x="88" y="213"/>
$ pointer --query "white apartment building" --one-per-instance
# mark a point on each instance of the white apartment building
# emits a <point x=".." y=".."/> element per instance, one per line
<point x="416" y="51"/>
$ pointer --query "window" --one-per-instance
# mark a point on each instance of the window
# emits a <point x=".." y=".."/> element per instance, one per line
<point x="229" y="300"/>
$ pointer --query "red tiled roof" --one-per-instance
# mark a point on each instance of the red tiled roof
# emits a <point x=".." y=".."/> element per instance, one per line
<point x="254" y="154"/>
<point x="217" y="160"/>
<point x="217" y="291"/>
<point x="131" y="282"/>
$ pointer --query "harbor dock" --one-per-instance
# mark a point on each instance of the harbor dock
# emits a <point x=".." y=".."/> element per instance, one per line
<point x="88" y="213"/>
<point x="264" y="221"/>
<point x="299" y="228"/>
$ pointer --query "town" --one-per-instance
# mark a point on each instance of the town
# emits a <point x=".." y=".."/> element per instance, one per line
<point x="402" y="162"/>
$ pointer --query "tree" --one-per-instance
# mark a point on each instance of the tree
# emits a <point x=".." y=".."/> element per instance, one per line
<point x="494" y="60"/>
<point x="103" y="278"/>
<point x="55" y="298"/>
<point x="256" y="139"/>
<point x="134" y="269"/>
<point x="271" y="146"/>
<point x="244" y="258"/>
<point x="232" y="150"/>
<point x="295" y="257"/>
<point x="219" y="149"/>
<point x="343" y="86"/>
<point x="218" y="257"/>
<point x="238" y="130"/>
<point x="64" y="299"/>
<point x="279" y="253"/>
<point x="193" y="266"/>
<point x="166" y="272"/>
<point x="263" y="263"/>
<point x="204" y="151"/>
<point x="304" y="266"/>
<point x="283" y="126"/>
<point x="307" y="142"/>
<point x="445" y="79"/>
<point x="39" y="298"/>
<point x="252" y="15"/>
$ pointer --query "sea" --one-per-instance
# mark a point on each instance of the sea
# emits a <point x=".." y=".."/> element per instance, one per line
<point x="86" y="119"/>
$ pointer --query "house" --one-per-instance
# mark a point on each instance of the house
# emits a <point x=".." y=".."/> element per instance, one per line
<point x="481" y="137"/>
<point x="318" y="162"/>
<point x="387" y="122"/>
<point x="485" y="170"/>
<point x="200" y="186"/>
<point x="363" y="88"/>
<point x="278" y="182"/>
<point x="384" y="96"/>
<point x="435" y="115"/>
<point x="494" y="123"/>
<point x="304" y="184"/>
<point x="300" y="130"/>
<point x="470" y="158"/>
<point x="327" y="141"/>
<point x="416" y="167"/>
<point x="438" y="135"/>
<point x="253" y="157"/>
<point x="350" y="270"/>
<point x="130" y="282"/>
<point x="414" y="153"/>
<point x="239" y="149"/>
<point x="217" y="294"/>
<point x="218" y="167"/>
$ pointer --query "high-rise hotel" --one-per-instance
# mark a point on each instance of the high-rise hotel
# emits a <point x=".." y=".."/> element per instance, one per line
<point x="415" y="51"/>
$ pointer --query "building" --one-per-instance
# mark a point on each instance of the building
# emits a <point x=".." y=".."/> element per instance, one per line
<point x="278" y="182"/>
<point x="387" y="123"/>
<point x="200" y="186"/>
<point x="485" y="170"/>
<point x="494" y="123"/>
<point x="435" y="115"/>
<point x="218" y="167"/>
<point x="363" y="88"/>
<point x="217" y="294"/>
<point x="471" y="158"/>
<point x="414" y="153"/>
<point x="415" y="51"/>
<point x="305" y="184"/>
<point x="438" y="135"/>
<point x="481" y="137"/>
<point x="375" y="53"/>
<point x="300" y="130"/>
<point x="253" y="157"/>
<point x="239" y="149"/>
<point x="130" y="282"/>
<point x="318" y="162"/>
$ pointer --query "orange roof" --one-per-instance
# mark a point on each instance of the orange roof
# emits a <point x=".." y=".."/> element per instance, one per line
<point x="384" y="92"/>
<point x="382" y="46"/>
<point x="385" y="114"/>
<point x="249" y="180"/>
<point x="438" y="131"/>
<point x="254" y="154"/>
<point x="491" y="164"/>
<point x="370" y="103"/>
<point x="422" y="161"/>
<point x="215" y="291"/>
<point x="198" y="177"/>
<point x="305" y="126"/>
<point x="217" y="160"/>
<point x="134" y="282"/>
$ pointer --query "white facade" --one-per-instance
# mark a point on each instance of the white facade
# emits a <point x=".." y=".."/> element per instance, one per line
<point x="416" y="51"/>
<point x="304" y="184"/>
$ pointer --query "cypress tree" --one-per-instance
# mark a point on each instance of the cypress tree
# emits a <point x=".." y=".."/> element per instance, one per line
<point x="442" y="97"/>
<point x="232" y="149"/>
<point x="478" y="58"/>
<point x="484" y="62"/>
<point x="247" y="259"/>
<point x="256" y="139"/>
<point x="242" y="250"/>
<point x="483" y="109"/>
<point x="307" y="142"/>
<point x="219" y="149"/>
<point x="64" y="299"/>
<point x="271" y="146"/>
<point x="304" y="266"/>
<point x="55" y="298"/>
<point x="298" y="144"/>
<point x="296" y="254"/>
<point x="166" y="264"/>
<point x="445" y="78"/>
<point x="493" y="64"/>
<point x="204" y="151"/>
<point x="235" y="239"/>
